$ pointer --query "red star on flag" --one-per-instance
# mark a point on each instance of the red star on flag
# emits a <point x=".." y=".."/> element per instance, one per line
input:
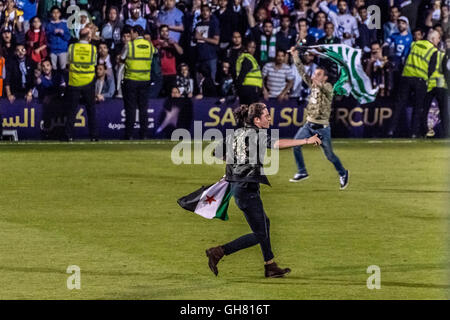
<point x="210" y="199"/>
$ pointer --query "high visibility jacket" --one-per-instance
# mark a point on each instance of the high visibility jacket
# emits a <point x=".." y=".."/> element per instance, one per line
<point x="138" y="63"/>
<point x="417" y="63"/>
<point x="437" y="79"/>
<point x="252" y="78"/>
<point x="2" y="65"/>
<point x="83" y="58"/>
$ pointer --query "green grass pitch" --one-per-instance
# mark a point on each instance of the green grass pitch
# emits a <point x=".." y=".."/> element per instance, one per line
<point x="110" y="208"/>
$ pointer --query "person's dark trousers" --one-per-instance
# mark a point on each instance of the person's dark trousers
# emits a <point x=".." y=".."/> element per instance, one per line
<point x="406" y="86"/>
<point x="248" y="199"/>
<point x="135" y="96"/>
<point x="85" y="94"/>
<point x="249" y="94"/>
<point x="441" y="96"/>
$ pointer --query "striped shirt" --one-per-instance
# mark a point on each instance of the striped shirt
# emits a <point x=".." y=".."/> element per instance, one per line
<point x="276" y="78"/>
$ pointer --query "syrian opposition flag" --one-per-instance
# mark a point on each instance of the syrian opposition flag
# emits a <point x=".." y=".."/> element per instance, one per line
<point x="353" y="79"/>
<point x="209" y="202"/>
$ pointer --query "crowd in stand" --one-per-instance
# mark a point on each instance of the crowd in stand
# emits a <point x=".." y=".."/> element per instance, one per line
<point x="198" y="41"/>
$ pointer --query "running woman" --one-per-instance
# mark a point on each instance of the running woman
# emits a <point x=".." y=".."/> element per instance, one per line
<point x="245" y="174"/>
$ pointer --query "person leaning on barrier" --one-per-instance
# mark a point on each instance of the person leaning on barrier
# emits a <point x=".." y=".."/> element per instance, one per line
<point x="82" y="57"/>
<point x="137" y="56"/>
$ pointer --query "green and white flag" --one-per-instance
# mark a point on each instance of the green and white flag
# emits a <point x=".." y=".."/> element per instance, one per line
<point x="353" y="79"/>
<point x="209" y="202"/>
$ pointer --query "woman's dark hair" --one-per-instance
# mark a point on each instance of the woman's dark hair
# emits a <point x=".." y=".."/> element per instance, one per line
<point x="245" y="114"/>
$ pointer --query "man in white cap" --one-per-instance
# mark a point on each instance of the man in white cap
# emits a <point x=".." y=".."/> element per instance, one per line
<point x="400" y="43"/>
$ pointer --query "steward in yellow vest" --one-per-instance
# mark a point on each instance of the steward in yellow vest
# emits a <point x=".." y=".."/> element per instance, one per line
<point x="82" y="58"/>
<point x="419" y="67"/>
<point x="137" y="56"/>
<point x="418" y="61"/>
<point x="437" y="89"/>
<point x="249" y="80"/>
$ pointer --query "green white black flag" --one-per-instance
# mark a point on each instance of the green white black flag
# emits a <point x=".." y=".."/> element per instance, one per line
<point x="353" y="80"/>
<point x="209" y="202"/>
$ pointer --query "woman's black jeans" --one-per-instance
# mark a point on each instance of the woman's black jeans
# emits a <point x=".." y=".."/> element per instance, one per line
<point x="248" y="199"/>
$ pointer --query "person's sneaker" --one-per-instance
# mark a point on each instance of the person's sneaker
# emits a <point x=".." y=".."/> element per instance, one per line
<point x="273" y="271"/>
<point x="214" y="255"/>
<point x="299" y="177"/>
<point x="343" y="180"/>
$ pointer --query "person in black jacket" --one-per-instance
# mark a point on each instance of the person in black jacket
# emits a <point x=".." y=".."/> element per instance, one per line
<point x="244" y="172"/>
<point x="19" y="79"/>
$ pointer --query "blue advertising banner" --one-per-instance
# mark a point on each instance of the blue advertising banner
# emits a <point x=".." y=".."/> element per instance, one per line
<point x="36" y="121"/>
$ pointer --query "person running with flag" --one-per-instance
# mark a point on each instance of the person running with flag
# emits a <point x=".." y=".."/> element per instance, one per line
<point x="244" y="172"/>
<point x="318" y="113"/>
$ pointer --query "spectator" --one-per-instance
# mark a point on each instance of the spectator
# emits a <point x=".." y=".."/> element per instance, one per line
<point x="329" y="37"/>
<point x="287" y="35"/>
<point x="240" y="15"/>
<point x="434" y="14"/>
<point x="207" y="35"/>
<point x="129" y="6"/>
<point x="112" y="29"/>
<point x="192" y="18"/>
<point x="36" y="41"/>
<point x="227" y="22"/>
<point x="14" y="19"/>
<point x="302" y="10"/>
<point x="49" y="83"/>
<point x="399" y="43"/>
<point x="136" y="19"/>
<point x="366" y="35"/>
<point x="227" y="92"/>
<point x="303" y="38"/>
<point x="120" y="66"/>
<point x="318" y="31"/>
<point x="333" y="71"/>
<point x="172" y="17"/>
<point x="78" y="26"/>
<point x="168" y="51"/>
<point x="379" y="70"/>
<point x="233" y="51"/>
<point x="445" y="21"/>
<point x="206" y="85"/>
<point x="267" y="44"/>
<point x="105" y="58"/>
<point x="345" y="25"/>
<point x="185" y="83"/>
<point x="104" y="84"/>
<point x="152" y="18"/>
<point x="277" y="78"/>
<point x="418" y="34"/>
<point x="275" y="10"/>
<point x="8" y="44"/>
<point x="58" y="36"/>
<point x="255" y="22"/>
<point x="19" y="79"/>
<point x="390" y="27"/>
